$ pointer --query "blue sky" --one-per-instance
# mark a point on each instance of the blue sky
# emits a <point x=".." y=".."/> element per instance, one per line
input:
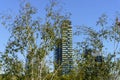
<point x="84" y="12"/>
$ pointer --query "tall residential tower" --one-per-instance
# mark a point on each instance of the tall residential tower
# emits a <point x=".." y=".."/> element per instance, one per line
<point x="63" y="52"/>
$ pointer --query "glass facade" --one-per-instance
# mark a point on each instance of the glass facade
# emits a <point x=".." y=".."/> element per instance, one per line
<point x="58" y="53"/>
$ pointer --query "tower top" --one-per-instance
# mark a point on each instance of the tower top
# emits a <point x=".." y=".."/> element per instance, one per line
<point x="66" y="23"/>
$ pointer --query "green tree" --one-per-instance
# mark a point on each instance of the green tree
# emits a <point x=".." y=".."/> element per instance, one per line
<point x="88" y="68"/>
<point x="33" y="40"/>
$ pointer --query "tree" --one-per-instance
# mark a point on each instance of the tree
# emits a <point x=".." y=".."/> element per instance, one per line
<point x="88" y="68"/>
<point x="33" y="40"/>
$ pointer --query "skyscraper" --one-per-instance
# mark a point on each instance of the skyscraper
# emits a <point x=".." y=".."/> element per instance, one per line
<point x="64" y="53"/>
<point x="58" y="53"/>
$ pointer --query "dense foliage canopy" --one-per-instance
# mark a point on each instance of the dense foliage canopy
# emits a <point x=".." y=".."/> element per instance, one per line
<point x="35" y="39"/>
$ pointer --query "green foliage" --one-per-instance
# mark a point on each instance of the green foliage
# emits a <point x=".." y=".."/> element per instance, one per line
<point x="34" y="40"/>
